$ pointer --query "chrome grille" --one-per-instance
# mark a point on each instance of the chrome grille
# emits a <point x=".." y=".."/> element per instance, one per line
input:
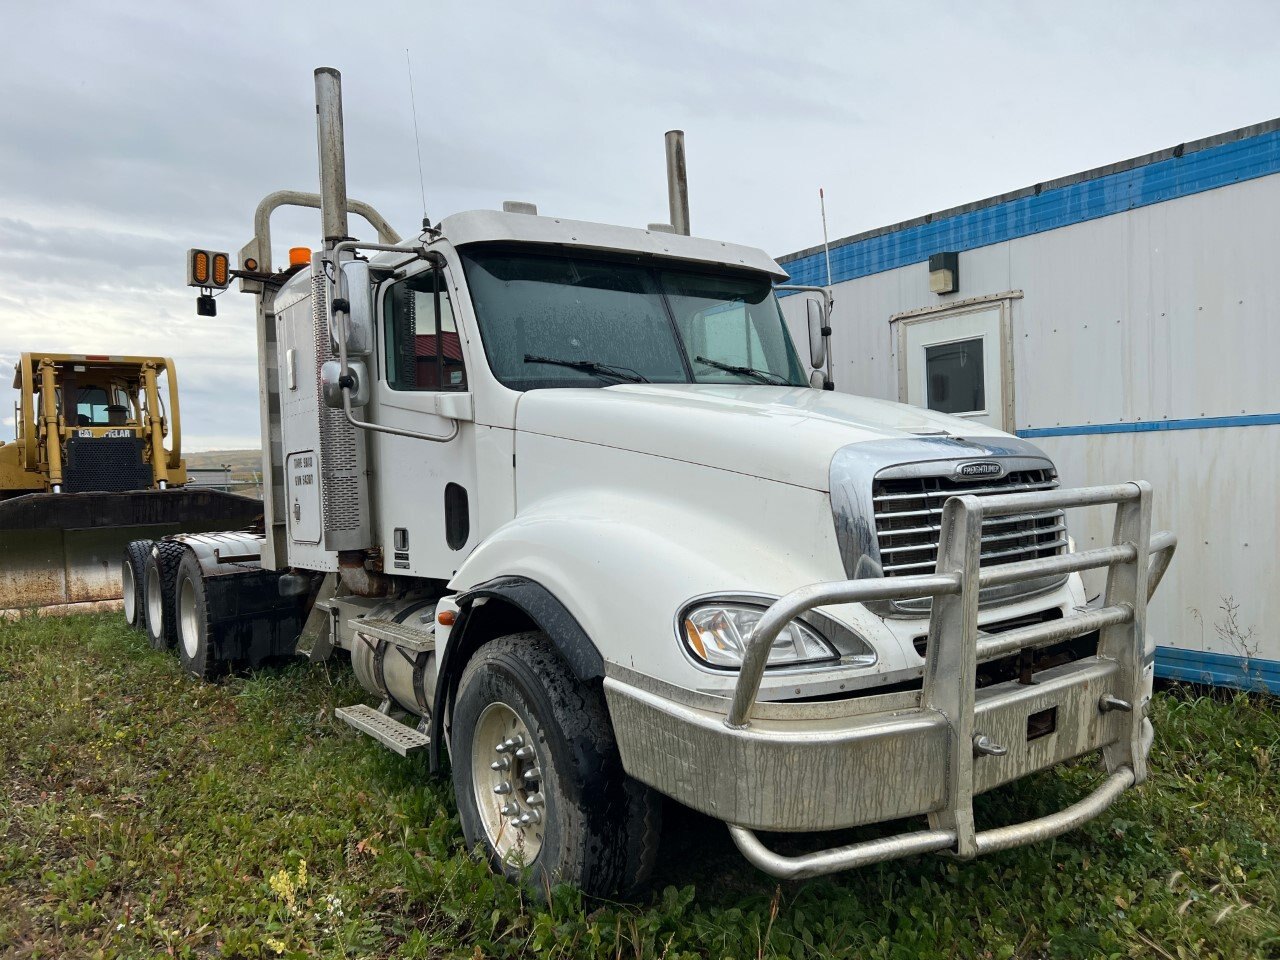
<point x="908" y="513"/>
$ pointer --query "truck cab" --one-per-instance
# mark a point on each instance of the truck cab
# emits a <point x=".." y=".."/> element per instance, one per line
<point x="586" y="522"/>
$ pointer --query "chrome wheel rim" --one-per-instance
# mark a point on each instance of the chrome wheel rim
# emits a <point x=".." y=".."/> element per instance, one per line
<point x="155" y="603"/>
<point x="188" y="628"/>
<point x="507" y="783"/>
<point x="130" y="592"/>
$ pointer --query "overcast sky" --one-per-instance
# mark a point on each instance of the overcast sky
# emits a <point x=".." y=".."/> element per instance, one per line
<point x="131" y="131"/>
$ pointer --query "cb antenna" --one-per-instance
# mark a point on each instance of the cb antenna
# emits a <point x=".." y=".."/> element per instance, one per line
<point x="826" y="247"/>
<point x="417" y="141"/>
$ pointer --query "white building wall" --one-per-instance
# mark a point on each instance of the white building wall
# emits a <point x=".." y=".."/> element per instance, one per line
<point x="1167" y="312"/>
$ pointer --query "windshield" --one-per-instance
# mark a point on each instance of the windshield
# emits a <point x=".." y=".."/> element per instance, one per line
<point x="558" y="321"/>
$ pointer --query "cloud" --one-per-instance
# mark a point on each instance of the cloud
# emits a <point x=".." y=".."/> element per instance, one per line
<point x="133" y="130"/>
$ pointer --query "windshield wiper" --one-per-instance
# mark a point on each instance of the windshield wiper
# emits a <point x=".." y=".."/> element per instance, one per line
<point x="625" y="374"/>
<point x="761" y="376"/>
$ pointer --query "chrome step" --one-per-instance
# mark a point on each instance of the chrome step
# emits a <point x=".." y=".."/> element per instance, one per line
<point x="388" y="731"/>
<point x="413" y="639"/>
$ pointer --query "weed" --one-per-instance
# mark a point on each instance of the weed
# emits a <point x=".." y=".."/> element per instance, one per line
<point x="144" y="814"/>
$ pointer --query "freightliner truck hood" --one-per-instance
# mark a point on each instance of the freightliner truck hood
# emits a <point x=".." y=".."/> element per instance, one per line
<point x="788" y="434"/>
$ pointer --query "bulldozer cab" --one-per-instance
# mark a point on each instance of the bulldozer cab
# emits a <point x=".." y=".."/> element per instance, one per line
<point x="94" y="423"/>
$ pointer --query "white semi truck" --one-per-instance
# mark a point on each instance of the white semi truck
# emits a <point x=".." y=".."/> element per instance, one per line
<point x="584" y="520"/>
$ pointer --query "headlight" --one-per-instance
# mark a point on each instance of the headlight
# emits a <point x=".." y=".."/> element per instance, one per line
<point x="718" y="633"/>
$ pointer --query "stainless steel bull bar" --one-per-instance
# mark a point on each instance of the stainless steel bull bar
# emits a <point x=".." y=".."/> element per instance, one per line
<point x="1135" y="563"/>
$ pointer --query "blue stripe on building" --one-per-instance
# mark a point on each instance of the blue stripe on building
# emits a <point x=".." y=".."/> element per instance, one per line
<point x="1218" y="669"/>
<point x="1108" y="194"/>
<point x="1154" y="426"/>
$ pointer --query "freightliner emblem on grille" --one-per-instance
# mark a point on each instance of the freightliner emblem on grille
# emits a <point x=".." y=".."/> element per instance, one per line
<point x="979" y="470"/>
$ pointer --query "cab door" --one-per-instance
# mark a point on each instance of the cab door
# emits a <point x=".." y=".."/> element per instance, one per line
<point x="959" y="362"/>
<point x="425" y="509"/>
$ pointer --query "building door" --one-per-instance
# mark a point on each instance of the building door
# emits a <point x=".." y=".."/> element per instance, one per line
<point x="958" y="362"/>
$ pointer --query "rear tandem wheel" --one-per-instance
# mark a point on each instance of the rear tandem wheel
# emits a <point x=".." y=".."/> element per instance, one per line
<point x="160" y="576"/>
<point x="132" y="580"/>
<point x="196" y="649"/>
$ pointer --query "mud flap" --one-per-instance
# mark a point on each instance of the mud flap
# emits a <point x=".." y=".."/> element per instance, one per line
<point x="62" y="549"/>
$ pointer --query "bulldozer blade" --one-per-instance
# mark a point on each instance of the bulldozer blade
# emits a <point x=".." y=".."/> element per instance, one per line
<point x="63" y="550"/>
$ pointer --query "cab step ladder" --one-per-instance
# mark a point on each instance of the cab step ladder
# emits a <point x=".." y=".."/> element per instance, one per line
<point x="386" y="729"/>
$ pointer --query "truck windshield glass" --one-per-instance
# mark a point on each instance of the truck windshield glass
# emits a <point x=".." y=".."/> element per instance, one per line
<point x="588" y="313"/>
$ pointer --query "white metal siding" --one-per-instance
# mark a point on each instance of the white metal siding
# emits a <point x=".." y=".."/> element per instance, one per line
<point x="1166" y="312"/>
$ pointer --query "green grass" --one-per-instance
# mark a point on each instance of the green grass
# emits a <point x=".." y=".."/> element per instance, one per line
<point x="143" y="814"/>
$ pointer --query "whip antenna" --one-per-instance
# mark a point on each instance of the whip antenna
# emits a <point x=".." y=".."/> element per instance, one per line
<point x="826" y="247"/>
<point x="417" y="140"/>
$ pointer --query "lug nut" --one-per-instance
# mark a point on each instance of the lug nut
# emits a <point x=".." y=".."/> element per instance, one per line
<point x="509" y="809"/>
<point x="535" y="800"/>
<point x="503" y="787"/>
<point x="524" y="753"/>
<point x="533" y="816"/>
<point x="511" y="743"/>
<point x="500" y="764"/>
<point x="532" y="774"/>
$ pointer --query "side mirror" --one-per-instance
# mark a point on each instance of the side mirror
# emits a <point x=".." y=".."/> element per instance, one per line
<point x="331" y="386"/>
<point x="819" y="331"/>
<point x="816" y="313"/>
<point x="353" y="310"/>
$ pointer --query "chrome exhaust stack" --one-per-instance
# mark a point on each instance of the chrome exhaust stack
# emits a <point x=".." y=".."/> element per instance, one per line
<point x="332" y="153"/>
<point x="677" y="182"/>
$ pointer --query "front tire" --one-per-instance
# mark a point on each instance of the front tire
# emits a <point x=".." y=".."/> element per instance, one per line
<point x="159" y="576"/>
<point x="195" y="646"/>
<point x="537" y="776"/>
<point x="133" y="565"/>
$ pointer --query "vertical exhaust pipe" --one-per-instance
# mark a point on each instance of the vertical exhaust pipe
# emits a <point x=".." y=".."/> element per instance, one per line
<point x="677" y="182"/>
<point x="333" y="159"/>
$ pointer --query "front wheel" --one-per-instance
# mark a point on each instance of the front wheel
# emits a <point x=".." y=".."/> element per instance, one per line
<point x="539" y="783"/>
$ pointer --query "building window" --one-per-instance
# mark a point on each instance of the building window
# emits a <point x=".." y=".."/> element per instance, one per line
<point x="954" y="377"/>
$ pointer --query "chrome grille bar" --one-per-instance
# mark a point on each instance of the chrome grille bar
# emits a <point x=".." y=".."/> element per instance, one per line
<point x="991" y="538"/>
<point x="975" y="491"/>
<point x="1029" y="552"/>
<point x="937" y="528"/>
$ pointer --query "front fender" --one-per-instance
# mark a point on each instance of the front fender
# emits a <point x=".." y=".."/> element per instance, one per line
<point x="622" y="566"/>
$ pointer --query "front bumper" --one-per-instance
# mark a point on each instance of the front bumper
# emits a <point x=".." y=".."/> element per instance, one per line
<point x="827" y="766"/>
<point x="782" y="766"/>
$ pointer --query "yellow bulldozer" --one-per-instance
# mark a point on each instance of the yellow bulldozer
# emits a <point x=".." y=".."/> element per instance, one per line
<point x="95" y="464"/>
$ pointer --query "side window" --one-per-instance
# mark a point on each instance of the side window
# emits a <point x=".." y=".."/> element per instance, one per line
<point x="420" y="336"/>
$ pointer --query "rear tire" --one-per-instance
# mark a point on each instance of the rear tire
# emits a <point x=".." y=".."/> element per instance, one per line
<point x="132" y="578"/>
<point x="596" y="828"/>
<point x="159" y="576"/>
<point x="194" y="637"/>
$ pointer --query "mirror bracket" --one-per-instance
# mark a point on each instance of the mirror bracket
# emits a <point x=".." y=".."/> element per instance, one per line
<point x="818" y="316"/>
